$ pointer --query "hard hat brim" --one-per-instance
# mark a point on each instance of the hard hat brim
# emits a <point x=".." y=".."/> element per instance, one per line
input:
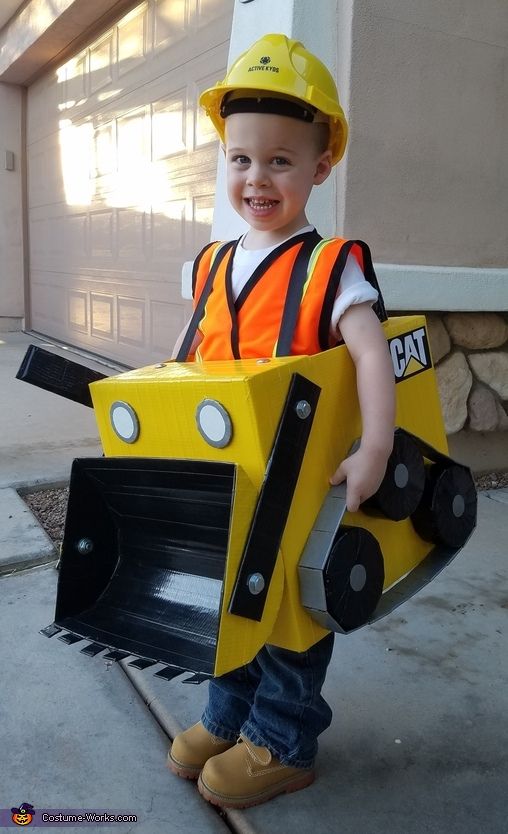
<point x="211" y="100"/>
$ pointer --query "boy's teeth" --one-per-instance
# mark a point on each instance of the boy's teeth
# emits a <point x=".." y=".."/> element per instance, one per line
<point x="261" y="203"/>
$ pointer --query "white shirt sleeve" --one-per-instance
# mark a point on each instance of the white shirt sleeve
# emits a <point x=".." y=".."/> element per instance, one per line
<point x="353" y="289"/>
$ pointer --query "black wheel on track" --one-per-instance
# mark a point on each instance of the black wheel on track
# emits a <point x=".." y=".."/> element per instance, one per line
<point x="447" y="512"/>
<point x="353" y="577"/>
<point x="402" y="487"/>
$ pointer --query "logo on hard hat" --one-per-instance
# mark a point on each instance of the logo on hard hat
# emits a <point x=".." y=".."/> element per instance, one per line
<point x="410" y="354"/>
<point x="263" y="65"/>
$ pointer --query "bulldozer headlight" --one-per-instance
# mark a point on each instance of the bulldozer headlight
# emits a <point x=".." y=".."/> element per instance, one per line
<point x="214" y="423"/>
<point x="124" y="421"/>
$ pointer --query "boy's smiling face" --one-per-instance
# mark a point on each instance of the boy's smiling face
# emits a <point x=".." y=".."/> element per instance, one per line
<point x="272" y="163"/>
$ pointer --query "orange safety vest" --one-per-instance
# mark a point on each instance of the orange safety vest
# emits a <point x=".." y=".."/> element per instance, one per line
<point x="284" y="308"/>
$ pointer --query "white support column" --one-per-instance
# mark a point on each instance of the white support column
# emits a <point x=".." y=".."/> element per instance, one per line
<point x="11" y="208"/>
<point x="316" y="25"/>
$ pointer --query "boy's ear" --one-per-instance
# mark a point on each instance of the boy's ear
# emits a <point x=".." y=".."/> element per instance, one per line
<point x="323" y="167"/>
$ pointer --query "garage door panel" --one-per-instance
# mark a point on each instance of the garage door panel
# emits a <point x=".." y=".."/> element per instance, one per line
<point x="101" y="235"/>
<point x="168" y="228"/>
<point x="50" y="301"/>
<point x="102" y="308"/>
<point x="44" y="111"/>
<point x="77" y="311"/>
<point x="202" y="216"/>
<point x="131" y="321"/>
<point x="52" y="234"/>
<point x="171" y="20"/>
<point x="133" y="149"/>
<point x="101" y="59"/>
<point x="45" y="172"/>
<point x="132" y="39"/>
<point x="169" y="116"/>
<point x="121" y="178"/>
<point x="132" y="235"/>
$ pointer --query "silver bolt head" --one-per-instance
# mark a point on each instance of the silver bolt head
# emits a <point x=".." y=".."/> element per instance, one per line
<point x="255" y="583"/>
<point x="84" y="546"/>
<point x="303" y="409"/>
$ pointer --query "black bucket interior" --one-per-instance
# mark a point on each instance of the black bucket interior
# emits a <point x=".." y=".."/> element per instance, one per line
<point x="144" y="556"/>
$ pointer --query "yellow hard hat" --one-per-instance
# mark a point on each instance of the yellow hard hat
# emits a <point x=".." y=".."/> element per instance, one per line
<point x="283" y="67"/>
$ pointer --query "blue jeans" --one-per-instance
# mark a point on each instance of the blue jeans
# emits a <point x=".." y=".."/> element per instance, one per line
<point x="275" y="702"/>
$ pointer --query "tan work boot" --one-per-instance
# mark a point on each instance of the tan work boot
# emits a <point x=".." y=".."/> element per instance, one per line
<point x="248" y="775"/>
<point x="192" y="748"/>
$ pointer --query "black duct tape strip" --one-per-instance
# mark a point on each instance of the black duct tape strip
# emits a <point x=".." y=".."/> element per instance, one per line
<point x="274" y="502"/>
<point x="427" y="450"/>
<point x="57" y="374"/>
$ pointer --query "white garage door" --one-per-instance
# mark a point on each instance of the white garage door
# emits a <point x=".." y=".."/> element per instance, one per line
<point x="121" y="178"/>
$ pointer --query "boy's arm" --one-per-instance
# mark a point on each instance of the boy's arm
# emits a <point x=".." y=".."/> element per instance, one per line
<point x="364" y="470"/>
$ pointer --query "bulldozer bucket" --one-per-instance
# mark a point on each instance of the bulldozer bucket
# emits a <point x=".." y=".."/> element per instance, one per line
<point x="143" y="557"/>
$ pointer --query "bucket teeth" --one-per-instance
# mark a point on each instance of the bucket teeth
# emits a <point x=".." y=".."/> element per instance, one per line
<point x="92" y="649"/>
<point x="168" y="673"/>
<point x="141" y="663"/>
<point x="198" y="678"/>
<point x="50" y="630"/>
<point x="115" y="655"/>
<point x="70" y="638"/>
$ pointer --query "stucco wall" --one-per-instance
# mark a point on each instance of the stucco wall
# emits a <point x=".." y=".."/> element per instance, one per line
<point x="11" y="223"/>
<point x="426" y="171"/>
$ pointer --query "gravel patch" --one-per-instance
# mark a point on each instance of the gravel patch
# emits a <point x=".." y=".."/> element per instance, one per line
<point x="50" y="505"/>
<point x="492" y="480"/>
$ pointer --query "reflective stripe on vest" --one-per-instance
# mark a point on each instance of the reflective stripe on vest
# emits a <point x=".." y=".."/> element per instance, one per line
<point x="261" y="317"/>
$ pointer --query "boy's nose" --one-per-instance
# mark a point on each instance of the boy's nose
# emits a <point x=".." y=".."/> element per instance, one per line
<point x="258" y="176"/>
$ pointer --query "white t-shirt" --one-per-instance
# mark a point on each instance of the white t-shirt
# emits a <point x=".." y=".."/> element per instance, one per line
<point x="353" y="288"/>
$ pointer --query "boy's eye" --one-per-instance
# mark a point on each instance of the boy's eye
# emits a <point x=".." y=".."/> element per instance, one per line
<point x="280" y="161"/>
<point x="241" y="159"/>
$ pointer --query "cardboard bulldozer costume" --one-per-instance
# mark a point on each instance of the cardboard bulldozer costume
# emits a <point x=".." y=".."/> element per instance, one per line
<point x="209" y="527"/>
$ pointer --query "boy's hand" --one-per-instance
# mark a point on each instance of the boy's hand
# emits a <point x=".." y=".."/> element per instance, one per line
<point x="363" y="472"/>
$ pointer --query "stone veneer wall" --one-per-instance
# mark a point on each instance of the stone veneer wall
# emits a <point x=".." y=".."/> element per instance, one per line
<point x="470" y="353"/>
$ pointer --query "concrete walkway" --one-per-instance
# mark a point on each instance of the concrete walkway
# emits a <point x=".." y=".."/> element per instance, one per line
<point x="419" y="740"/>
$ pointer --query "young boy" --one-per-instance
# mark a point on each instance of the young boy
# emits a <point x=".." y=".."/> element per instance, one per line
<point x="278" y="115"/>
